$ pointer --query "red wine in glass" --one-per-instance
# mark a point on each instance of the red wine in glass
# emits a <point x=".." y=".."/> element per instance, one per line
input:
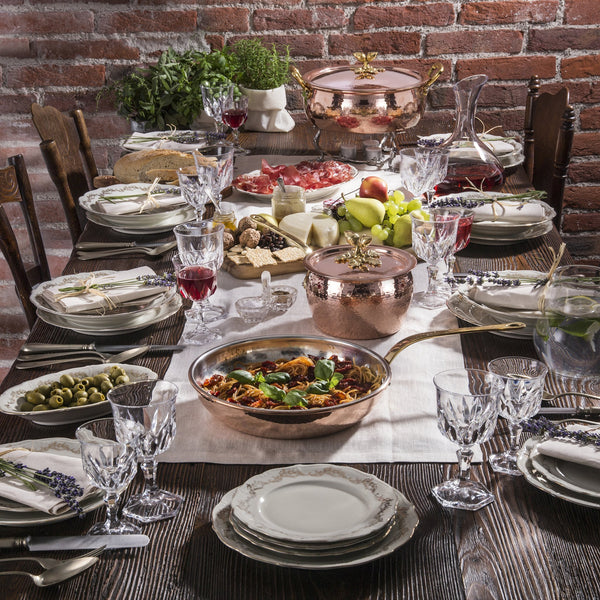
<point x="235" y="117"/>
<point x="196" y="283"/>
<point x="463" y="233"/>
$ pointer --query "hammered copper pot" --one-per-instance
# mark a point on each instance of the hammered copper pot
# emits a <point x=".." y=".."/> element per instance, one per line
<point x="365" y="99"/>
<point x="359" y="304"/>
<point x="313" y="422"/>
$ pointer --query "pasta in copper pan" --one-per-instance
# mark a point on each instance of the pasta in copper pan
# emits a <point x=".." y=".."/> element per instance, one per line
<point x="301" y="383"/>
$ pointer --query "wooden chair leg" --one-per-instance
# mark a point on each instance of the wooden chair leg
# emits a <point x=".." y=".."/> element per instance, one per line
<point x="528" y="142"/>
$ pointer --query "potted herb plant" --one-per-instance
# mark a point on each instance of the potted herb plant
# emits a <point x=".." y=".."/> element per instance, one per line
<point x="261" y="74"/>
<point x="168" y="93"/>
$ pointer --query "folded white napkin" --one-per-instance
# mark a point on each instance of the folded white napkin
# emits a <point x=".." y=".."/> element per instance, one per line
<point x="147" y="140"/>
<point x="43" y="498"/>
<point x="95" y="299"/>
<point x="509" y="211"/>
<point x="497" y="146"/>
<point x="571" y="451"/>
<point x="522" y="297"/>
<point x="139" y="204"/>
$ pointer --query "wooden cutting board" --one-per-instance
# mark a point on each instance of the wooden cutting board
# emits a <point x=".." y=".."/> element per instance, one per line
<point x="252" y="272"/>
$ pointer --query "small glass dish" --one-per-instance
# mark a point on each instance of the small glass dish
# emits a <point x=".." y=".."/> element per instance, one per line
<point x="282" y="297"/>
<point x="252" y="309"/>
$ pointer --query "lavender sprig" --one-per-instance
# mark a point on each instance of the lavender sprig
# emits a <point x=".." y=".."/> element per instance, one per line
<point x="493" y="277"/>
<point x="462" y="202"/>
<point x="543" y="426"/>
<point x="64" y="486"/>
<point x="164" y="280"/>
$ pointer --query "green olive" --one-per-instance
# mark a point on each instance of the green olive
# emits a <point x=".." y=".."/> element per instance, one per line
<point x="80" y="394"/>
<point x="56" y="402"/>
<point x="86" y="382"/>
<point x="26" y="406"/>
<point x="116" y="372"/>
<point x="45" y="389"/>
<point x="35" y="397"/>
<point x="96" y="397"/>
<point x="81" y="401"/>
<point x="55" y="384"/>
<point x="106" y="385"/>
<point x="67" y="380"/>
<point x="79" y="386"/>
<point x="67" y="394"/>
<point x="39" y="407"/>
<point x="121" y="379"/>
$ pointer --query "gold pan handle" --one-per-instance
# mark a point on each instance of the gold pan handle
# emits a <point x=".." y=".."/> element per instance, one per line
<point x="417" y="337"/>
<point x="298" y="77"/>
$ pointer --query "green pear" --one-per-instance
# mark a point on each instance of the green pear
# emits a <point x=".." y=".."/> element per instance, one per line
<point x="369" y="211"/>
<point x="402" y="232"/>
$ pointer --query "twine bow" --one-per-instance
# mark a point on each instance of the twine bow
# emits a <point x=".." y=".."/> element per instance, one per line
<point x="168" y="136"/>
<point x="150" y="201"/>
<point x="555" y="264"/>
<point x="87" y="288"/>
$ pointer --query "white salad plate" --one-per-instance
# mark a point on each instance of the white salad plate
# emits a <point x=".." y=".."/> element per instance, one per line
<point x="13" y="514"/>
<point x="11" y="399"/>
<point x="160" y="227"/>
<point x="502" y="239"/>
<point x="280" y="503"/>
<point x="401" y="530"/>
<point x="570" y="475"/>
<point x="309" y="195"/>
<point x="184" y="140"/>
<point x="540" y="481"/>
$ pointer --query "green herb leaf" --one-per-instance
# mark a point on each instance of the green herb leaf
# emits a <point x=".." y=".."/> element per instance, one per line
<point x="318" y="387"/>
<point x="279" y="377"/>
<point x="295" y="398"/>
<point x="242" y="376"/>
<point x="324" y="369"/>
<point x="335" y="379"/>
<point x="270" y="391"/>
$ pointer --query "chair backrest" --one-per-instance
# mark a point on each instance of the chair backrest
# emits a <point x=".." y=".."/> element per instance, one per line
<point x="15" y="187"/>
<point x="67" y="151"/>
<point x="549" y="128"/>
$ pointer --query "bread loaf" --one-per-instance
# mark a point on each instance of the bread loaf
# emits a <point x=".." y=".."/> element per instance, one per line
<point x="134" y="167"/>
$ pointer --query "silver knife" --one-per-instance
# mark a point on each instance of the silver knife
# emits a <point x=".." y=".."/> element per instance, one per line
<point x="102" y="245"/>
<point x="73" y="542"/>
<point x="571" y="411"/>
<point x="35" y="348"/>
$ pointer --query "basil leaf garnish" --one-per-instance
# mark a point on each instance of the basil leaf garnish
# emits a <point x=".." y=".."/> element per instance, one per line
<point x="335" y="379"/>
<point x="270" y="391"/>
<point x="324" y="369"/>
<point x="279" y="377"/>
<point x="318" y="387"/>
<point x="242" y="376"/>
<point x="295" y="398"/>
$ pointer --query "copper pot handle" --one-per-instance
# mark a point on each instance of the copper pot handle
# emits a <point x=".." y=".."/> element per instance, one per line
<point x="417" y="337"/>
<point x="434" y="73"/>
<point x="296" y="75"/>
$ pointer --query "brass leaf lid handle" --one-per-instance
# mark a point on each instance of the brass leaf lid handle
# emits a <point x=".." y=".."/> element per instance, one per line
<point x="359" y="257"/>
<point x="366" y="71"/>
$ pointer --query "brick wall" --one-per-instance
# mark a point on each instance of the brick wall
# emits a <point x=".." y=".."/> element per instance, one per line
<point x="62" y="53"/>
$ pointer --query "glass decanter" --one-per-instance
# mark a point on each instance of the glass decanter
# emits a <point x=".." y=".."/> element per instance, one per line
<point x="471" y="163"/>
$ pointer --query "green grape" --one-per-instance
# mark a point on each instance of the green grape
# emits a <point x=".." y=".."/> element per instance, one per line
<point x="398" y="196"/>
<point x="414" y="204"/>
<point x="341" y="210"/>
<point x="355" y="224"/>
<point x="391" y="208"/>
<point x="377" y="231"/>
<point x="403" y="208"/>
<point x="343" y="226"/>
<point x="393" y="219"/>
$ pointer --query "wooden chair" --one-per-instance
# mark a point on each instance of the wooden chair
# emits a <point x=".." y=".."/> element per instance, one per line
<point x="549" y="122"/>
<point x="15" y="187"/>
<point x="67" y="151"/>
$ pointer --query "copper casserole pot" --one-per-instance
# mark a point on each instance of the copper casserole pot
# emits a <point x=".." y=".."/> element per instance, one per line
<point x="294" y="423"/>
<point x="367" y="99"/>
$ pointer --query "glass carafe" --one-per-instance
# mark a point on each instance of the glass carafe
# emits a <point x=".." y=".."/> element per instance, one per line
<point x="471" y="163"/>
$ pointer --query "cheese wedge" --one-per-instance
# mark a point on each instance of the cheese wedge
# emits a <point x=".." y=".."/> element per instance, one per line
<point x="314" y="229"/>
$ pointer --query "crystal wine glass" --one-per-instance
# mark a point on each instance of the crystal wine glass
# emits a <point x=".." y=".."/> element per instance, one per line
<point x="110" y="464"/>
<point x="467" y="408"/>
<point x="214" y="165"/>
<point x="144" y="416"/>
<point x="522" y="385"/>
<point x="235" y="113"/>
<point x="213" y="97"/>
<point x="200" y="256"/>
<point x="433" y="241"/>
<point x="463" y="237"/>
<point x="194" y="190"/>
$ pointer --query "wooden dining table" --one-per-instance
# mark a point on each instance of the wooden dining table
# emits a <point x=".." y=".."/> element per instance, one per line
<point x="525" y="545"/>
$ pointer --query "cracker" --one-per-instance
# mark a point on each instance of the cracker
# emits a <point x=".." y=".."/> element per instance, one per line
<point x="238" y="259"/>
<point x="289" y="254"/>
<point x="260" y="257"/>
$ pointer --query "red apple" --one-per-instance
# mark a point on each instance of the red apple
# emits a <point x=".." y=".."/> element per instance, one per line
<point x="374" y="187"/>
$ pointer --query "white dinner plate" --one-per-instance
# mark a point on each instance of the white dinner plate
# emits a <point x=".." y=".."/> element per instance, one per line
<point x="575" y="477"/>
<point x="280" y="503"/>
<point x="539" y="480"/>
<point x="11" y="515"/>
<point x="10" y="400"/>
<point x="501" y="146"/>
<point x="309" y="195"/>
<point x="161" y="226"/>
<point x="404" y="524"/>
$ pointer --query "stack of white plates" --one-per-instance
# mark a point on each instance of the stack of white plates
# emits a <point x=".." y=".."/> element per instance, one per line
<point x="314" y="517"/>
<point x="106" y="322"/>
<point x="152" y="220"/>
<point x="564" y="479"/>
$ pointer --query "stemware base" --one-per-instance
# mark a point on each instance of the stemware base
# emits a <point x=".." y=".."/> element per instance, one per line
<point x="122" y="527"/>
<point x="464" y="494"/>
<point x="200" y="334"/>
<point x="153" y="505"/>
<point x="504" y="462"/>
<point x="428" y="300"/>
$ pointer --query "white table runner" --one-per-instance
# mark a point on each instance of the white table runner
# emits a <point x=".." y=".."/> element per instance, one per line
<point x="401" y="427"/>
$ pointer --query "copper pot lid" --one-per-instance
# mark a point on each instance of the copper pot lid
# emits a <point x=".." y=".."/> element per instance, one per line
<point x="365" y="79"/>
<point x="338" y="262"/>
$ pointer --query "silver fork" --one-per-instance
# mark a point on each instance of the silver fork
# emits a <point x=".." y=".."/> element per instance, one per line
<point x="90" y="255"/>
<point x="101" y="358"/>
<point x="50" y="563"/>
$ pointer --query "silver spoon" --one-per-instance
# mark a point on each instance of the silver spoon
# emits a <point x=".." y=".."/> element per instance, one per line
<point x="60" y="573"/>
<point x="281" y="185"/>
<point x="116" y="358"/>
<point x="158" y="250"/>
